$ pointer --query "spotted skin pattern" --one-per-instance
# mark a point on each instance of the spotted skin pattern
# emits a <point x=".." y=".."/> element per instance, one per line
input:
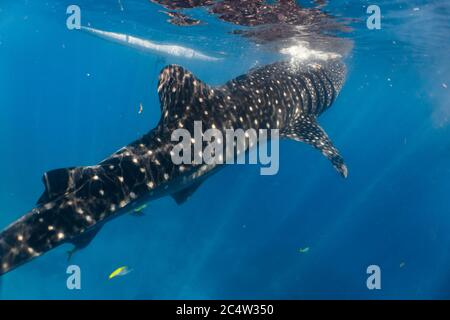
<point x="78" y="201"/>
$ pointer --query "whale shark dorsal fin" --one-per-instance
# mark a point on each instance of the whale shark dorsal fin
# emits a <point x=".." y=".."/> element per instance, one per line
<point x="182" y="195"/>
<point x="306" y="129"/>
<point x="56" y="183"/>
<point x="177" y="89"/>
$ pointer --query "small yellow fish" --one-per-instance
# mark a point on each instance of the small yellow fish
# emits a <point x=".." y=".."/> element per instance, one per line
<point x="122" y="271"/>
<point x="303" y="250"/>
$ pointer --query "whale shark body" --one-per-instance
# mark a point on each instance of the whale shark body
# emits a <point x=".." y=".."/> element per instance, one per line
<point x="78" y="201"/>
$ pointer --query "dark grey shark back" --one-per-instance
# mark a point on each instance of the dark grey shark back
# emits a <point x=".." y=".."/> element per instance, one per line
<point x="78" y="201"/>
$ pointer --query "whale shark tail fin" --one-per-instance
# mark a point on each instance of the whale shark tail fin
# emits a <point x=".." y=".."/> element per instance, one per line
<point x="177" y="89"/>
<point x="306" y="129"/>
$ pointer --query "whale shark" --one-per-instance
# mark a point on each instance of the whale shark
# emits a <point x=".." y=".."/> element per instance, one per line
<point x="78" y="201"/>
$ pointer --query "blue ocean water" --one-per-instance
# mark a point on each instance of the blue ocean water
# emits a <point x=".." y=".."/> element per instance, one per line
<point x="70" y="99"/>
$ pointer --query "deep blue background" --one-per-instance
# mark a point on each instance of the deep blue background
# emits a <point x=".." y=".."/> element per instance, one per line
<point x="70" y="99"/>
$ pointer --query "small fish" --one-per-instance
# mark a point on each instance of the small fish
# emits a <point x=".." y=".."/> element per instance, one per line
<point x="141" y="108"/>
<point x="138" y="211"/>
<point x="303" y="250"/>
<point x="402" y="264"/>
<point x="119" y="272"/>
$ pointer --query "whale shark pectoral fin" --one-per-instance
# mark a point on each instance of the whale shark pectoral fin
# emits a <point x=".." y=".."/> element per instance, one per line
<point x="56" y="183"/>
<point x="181" y="196"/>
<point x="307" y="130"/>
<point x="177" y="88"/>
